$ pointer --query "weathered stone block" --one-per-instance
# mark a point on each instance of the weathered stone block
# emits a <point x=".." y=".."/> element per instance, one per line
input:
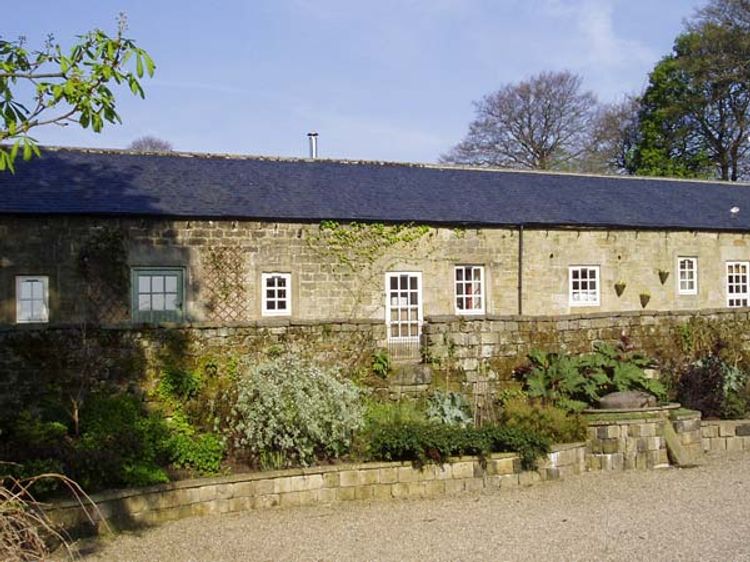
<point x="345" y="494"/>
<point x="331" y="480"/>
<point x="710" y="431"/>
<point x="364" y="492"/>
<point x="388" y="475"/>
<point x="473" y="484"/>
<point x="734" y="444"/>
<point x="435" y="488"/>
<point x="454" y="486"/>
<point x="726" y="429"/>
<point x="326" y="495"/>
<point x="463" y="469"/>
<point x="529" y="478"/>
<point x="348" y="478"/>
<point x="608" y="432"/>
<point x="224" y="491"/>
<point x="266" y="501"/>
<point x="509" y="481"/>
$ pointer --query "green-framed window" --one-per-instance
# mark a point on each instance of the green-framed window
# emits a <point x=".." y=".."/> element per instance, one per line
<point x="158" y="294"/>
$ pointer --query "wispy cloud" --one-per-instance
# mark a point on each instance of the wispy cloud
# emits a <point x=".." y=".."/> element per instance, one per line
<point x="594" y="22"/>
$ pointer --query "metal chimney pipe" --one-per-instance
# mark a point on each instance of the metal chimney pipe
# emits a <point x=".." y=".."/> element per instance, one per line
<point x="313" y="138"/>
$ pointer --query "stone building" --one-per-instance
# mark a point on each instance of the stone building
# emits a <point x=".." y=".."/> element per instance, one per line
<point x="416" y="256"/>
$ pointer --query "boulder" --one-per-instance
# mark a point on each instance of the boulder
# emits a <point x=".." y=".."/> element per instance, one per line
<point x="626" y="400"/>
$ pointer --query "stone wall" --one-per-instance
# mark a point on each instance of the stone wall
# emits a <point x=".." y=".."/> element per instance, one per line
<point x="725" y="435"/>
<point x="327" y="484"/>
<point x="493" y="345"/>
<point x="626" y="442"/>
<point x="340" y="273"/>
<point x="639" y="440"/>
<point x="471" y="350"/>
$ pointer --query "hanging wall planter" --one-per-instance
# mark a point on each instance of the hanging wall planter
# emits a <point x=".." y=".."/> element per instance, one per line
<point x="620" y="288"/>
<point x="663" y="275"/>
<point x="645" y="297"/>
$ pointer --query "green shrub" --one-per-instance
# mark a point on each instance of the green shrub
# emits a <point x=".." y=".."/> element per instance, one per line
<point x="450" y="408"/>
<point x="714" y="387"/>
<point x="202" y="452"/>
<point x="575" y="382"/>
<point x="120" y="444"/>
<point x="554" y="423"/>
<point x="381" y="412"/>
<point x="381" y="363"/>
<point x="421" y="443"/>
<point x="291" y="412"/>
<point x="179" y="384"/>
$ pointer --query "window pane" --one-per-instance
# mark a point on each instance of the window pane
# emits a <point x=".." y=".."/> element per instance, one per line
<point x="144" y="302"/>
<point x="170" y="301"/>
<point x="157" y="284"/>
<point x="157" y="301"/>
<point x="281" y="305"/>
<point x="37" y="290"/>
<point x="144" y="284"/>
<point x="26" y="310"/>
<point x="170" y="284"/>
<point x="459" y="274"/>
<point x="26" y="290"/>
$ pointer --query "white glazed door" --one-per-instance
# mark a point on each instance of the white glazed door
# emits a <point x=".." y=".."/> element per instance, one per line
<point x="404" y="307"/>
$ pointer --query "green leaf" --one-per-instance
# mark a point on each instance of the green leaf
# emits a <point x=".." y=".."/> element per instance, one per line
<point x="150" y="66"/>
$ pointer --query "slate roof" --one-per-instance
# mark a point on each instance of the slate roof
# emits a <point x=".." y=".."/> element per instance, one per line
<point x="96" y="182"/>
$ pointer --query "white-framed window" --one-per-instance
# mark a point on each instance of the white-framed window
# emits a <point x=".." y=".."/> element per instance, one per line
<point x="737" y="283"/>
<point x="583" y="283"/>
<point x="687" y="276"/>
<point x="32" y="299"/>
<point x="403" y="306"/>
<point x="277" y="294"/>
<point x="469" y="284"/>
<point x="157" y="294"/>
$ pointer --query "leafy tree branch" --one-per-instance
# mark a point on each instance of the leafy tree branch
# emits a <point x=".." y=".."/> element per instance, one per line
<point x="54" y="86"/>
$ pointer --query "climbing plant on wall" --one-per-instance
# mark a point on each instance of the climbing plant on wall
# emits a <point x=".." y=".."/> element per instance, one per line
<point x="102" y="263"/>
<point x="355" y="244"/>
<point x="362" y="251"/>
<point x="225" y="283"/>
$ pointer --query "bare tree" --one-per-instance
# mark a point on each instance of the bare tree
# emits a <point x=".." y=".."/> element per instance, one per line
<point x="724" y="13"/>
<point x="543" y="123"/>
<point x="614" y="137"/>
<point x="150" y="143"/>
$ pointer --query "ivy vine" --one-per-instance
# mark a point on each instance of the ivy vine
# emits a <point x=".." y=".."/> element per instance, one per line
<point x="103" y="261"/>
<point x="355" y="244"/>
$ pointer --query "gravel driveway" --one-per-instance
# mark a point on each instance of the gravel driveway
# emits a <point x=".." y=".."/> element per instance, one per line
<point x="693" y="514"/>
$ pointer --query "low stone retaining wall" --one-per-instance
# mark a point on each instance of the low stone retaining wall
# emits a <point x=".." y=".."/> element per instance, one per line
<point x="725" y="435"/>
<point x="296" y="487"/>
<point x="635" y="440"/>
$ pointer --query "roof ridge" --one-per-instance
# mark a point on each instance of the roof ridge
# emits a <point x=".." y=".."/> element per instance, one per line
<point x="365" y="162"/>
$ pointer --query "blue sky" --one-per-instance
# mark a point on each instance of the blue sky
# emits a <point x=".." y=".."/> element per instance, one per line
<point x="385" y="79"/>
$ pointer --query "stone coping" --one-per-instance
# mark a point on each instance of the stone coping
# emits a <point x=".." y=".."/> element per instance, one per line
<point x="436" y="319"/>
<point x="649" y="410"/>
